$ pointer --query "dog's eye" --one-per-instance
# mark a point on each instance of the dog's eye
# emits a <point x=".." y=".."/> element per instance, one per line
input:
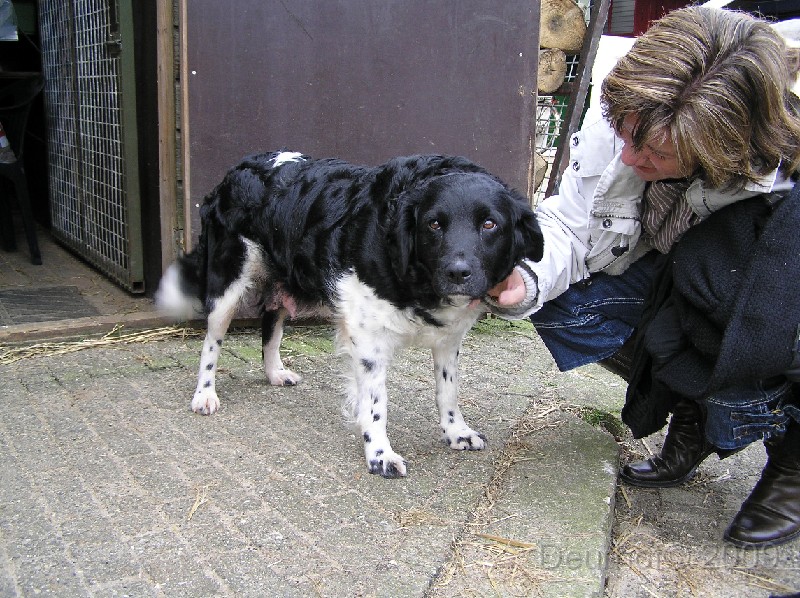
<point x="489" y="224"/>
<point x="434" y="225"/>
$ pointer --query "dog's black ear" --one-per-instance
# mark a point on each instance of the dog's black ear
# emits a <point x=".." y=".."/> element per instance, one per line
<point x="402" y="231"/>
<point x="528" y="238"/>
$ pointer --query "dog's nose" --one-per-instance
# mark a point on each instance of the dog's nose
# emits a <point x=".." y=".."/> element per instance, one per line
<point x="459" y="272"/>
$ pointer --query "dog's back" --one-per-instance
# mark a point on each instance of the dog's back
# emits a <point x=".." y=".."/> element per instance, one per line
<point x="253" y="201"/>
<point x="311" y="219"/>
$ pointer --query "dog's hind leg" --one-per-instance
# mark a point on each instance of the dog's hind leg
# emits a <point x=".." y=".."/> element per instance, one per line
<point x="271" y="335"/>
<point x="455" y="431"/>
<point x="205" y="398"/>
<point x="223" y="302"/>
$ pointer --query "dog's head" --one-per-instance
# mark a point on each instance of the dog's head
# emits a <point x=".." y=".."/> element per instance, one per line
<point x="465" y="231"/>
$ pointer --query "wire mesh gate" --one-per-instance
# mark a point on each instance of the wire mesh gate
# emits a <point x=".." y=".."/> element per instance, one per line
<point x="92" y="144"/>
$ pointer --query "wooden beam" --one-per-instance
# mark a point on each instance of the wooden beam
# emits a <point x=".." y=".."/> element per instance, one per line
<point x="167" y="170"/>
<point x="580" y="89"/>
<point x="183" y="27"/>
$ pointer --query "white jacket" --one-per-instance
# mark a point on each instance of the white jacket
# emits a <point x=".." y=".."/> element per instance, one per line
<point x="593" y="224"/>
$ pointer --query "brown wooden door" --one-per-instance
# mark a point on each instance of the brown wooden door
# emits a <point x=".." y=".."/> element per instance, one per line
<point x="362" y="80"/>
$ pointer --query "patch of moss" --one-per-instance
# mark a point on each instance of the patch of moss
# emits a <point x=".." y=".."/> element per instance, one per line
<point x="609" y="422"/>
<point x="492" y="324"/>
<point x="307" y="344"/>
<point x="247" y="352"/>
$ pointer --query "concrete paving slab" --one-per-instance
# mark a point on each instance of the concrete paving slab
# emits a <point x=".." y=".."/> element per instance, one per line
<point x="53" y="521"/>
<point x="546" y="528"/>
<point x="111" y="486"/>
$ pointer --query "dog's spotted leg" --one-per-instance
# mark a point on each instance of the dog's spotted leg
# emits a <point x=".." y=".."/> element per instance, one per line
<point x="373" y="413"/>
<point x="271" y="335"/>
<point x="455" y="431"/>
<point x="371" y="404"/>
<point x="205" y="400"/>
<point x="362" y="337"/>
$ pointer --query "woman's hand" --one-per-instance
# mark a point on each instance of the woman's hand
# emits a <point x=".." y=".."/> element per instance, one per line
<point x="510" y="291"/>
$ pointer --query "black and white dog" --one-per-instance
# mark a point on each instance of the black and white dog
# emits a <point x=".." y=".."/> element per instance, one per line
<point x="397" y="254"/>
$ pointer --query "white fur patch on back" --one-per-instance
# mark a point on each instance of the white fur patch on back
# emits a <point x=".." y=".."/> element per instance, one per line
<point x="285" y="157"/>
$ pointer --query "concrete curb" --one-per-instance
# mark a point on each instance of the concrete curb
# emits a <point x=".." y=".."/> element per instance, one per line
<point x="81" y="327"/>
<point x="546" y="529"/>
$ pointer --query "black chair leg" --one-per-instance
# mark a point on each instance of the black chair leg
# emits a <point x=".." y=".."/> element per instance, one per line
<point x="7" y="236"/>
<point x="21" y="186"/>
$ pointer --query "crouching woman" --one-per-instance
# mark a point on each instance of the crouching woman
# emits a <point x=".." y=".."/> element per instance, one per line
<point x="674" y="233"/>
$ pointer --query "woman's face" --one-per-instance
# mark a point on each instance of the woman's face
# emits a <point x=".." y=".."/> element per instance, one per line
<point x="656" y="161"/>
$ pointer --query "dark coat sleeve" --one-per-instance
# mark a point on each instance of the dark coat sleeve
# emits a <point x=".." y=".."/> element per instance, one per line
<point x="648" y="401"/>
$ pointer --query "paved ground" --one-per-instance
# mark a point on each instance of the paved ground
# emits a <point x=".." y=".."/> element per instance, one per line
<point x="61" y="288"/>
<point x="110" y="486"/>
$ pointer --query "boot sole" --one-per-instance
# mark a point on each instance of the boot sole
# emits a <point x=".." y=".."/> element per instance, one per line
<point x="766" y="544"/>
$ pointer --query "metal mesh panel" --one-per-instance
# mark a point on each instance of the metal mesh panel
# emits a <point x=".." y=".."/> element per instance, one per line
<point x="57" y="58"/>
<point x="550" y="112"/>
<point x="88" y="191"/>
<point x="549" y="120"/>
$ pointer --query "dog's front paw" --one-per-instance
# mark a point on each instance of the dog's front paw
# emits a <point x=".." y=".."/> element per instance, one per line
<point x="283" y="377"/>
<point x="205" y="402"/>
<point x="464" y="439"/>
<point x="386" y="463"/>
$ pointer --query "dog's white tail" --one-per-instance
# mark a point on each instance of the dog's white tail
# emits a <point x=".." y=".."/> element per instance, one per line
<point x="173" y="297"/>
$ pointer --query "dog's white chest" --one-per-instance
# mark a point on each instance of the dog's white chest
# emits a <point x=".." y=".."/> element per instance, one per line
<point x="359" y="308"/>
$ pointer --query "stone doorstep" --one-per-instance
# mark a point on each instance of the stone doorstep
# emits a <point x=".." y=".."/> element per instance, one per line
<point x="547" y="531"/>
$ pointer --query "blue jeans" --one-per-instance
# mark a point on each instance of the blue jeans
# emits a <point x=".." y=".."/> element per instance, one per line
<point x="593" y="319"/>
<point x="735" y="417"/>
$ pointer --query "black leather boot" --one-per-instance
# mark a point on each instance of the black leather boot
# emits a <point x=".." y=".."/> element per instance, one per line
<point x="771" y="514"/>
<point x="685" y="447"/>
